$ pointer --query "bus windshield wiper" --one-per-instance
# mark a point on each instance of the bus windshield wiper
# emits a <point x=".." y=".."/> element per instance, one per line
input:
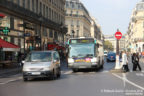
<point x="81" y="55"/>
<point x="74" y="56"/>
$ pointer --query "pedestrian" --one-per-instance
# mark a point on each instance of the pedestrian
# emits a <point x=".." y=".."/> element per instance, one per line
<point x="136" y="62"/>
<point x="125" y="61"/>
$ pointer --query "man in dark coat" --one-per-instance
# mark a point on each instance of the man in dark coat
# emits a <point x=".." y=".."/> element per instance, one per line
<point x="135" y="60"/>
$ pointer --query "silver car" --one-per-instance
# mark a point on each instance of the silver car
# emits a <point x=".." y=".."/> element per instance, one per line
<point x="41" y="64"/>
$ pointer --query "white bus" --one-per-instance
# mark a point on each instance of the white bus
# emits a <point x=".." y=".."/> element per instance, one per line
<point x="85" y="53"/>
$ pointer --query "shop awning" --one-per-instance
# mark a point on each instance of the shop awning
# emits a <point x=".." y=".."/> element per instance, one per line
<point x="7" y="46"/>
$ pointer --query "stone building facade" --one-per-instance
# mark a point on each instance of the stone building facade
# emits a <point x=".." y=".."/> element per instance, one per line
<point x="33" y="23"/>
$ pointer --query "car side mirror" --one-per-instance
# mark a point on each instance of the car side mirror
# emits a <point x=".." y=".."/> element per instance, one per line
<point x="23" y="61"/>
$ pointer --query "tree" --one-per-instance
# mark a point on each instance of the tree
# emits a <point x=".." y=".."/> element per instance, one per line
<point x="108" y="46"/>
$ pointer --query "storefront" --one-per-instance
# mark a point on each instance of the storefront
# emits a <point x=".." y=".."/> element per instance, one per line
<point x="8" y="52"/>
<point x="11" y="31"/>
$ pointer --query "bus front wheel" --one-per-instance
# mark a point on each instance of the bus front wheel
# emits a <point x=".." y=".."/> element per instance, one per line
<point x="75" y="70"/>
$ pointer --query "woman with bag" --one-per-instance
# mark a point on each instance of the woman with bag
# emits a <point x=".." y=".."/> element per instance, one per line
<point x="125" y="62"/>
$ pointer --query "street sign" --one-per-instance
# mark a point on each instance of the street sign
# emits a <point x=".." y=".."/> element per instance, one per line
<point x="118" y="35"/>
<point x="5" y="30"/>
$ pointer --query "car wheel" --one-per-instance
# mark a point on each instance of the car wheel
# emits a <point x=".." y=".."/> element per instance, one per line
<point x="75" y="70"/>
<point x="53" y="75"/>
<point x="102" y="66"/>
<point x="25" y="79"/>
<point x="59" y="73"/>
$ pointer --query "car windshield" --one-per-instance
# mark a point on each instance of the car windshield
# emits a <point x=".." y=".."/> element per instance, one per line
<point x="39" y="57"/>
<point x="83" y="50"/>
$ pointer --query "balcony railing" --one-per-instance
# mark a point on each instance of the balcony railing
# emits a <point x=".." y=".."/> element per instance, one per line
<point x="75" y="15"/>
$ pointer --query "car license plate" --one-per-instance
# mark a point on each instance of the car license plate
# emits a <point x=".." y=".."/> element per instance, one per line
<point x="35" y="73"/>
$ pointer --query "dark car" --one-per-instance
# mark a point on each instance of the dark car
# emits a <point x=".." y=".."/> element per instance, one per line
<point x="111" y="57"/>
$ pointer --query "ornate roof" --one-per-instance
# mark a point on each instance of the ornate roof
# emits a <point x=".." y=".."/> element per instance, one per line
<point x="140" y="6"/>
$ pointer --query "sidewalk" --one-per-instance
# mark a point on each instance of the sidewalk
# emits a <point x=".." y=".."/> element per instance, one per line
<point x="6" y="72"/>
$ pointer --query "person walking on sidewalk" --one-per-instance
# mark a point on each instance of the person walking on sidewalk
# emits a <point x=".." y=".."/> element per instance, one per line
<point x="136" y="62"/>
<point x="125" y="61"/>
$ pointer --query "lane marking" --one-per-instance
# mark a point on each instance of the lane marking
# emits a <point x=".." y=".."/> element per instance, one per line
<point x="124" y="79"/>
<point x="106" y="71"/>
<point x="68" y="72"/>
<point x="128" y="81"/>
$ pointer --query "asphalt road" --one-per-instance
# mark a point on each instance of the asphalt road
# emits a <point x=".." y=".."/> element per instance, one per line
<point x="83" y="83"/>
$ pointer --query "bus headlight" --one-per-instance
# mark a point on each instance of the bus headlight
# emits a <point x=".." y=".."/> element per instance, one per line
<point x="70" y="60"/>
<point x="94" y="60"/>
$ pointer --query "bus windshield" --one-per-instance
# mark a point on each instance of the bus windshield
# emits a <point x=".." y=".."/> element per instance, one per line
<point x="81" y="50"/>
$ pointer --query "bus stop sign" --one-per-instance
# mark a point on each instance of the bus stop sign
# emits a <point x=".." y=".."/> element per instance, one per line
<point x="118" y="35"/>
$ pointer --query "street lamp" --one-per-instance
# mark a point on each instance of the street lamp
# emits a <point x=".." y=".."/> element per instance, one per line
<point x="40" y="19"/>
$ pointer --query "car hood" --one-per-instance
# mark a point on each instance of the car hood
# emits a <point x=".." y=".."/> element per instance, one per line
<point x="37" y="64"/>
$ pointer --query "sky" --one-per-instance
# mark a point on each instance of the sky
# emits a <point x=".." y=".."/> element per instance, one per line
<point x="111" y="14"/>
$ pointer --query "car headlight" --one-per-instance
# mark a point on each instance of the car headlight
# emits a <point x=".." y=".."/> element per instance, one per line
<point x="25" y="69"/>
<point x="46" y="69"/>
<point x="94" y="59"/>
<point x="70" y="60"/>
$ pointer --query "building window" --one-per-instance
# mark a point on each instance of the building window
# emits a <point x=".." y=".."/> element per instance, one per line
<point x="50" y="13"/>
<point x="71" y="12"/>
<point x="77" y="13"/>
<point x="55" y="35"/>
<point x="67" y="4"/>
<point x="36" y="6"/>
<point x="40" y="7"/>
<point x="51" y="33"/>
<point x="33" y="5"/>
<point x="28" y="4"/>
<point x="78" y="23"/>
<point x="23" y="3"/>
<point x="79" y="6"/>
<point x="18" y="2"/>
<point x="72" y="4"/>
<point x="72" y="23"/>
<point x="46" y="12"/>
<point x="43" y="10"/>
<point x="44" y="32"/>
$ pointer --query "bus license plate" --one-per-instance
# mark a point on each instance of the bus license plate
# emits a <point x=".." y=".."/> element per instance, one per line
<point x="79" y="60"/>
